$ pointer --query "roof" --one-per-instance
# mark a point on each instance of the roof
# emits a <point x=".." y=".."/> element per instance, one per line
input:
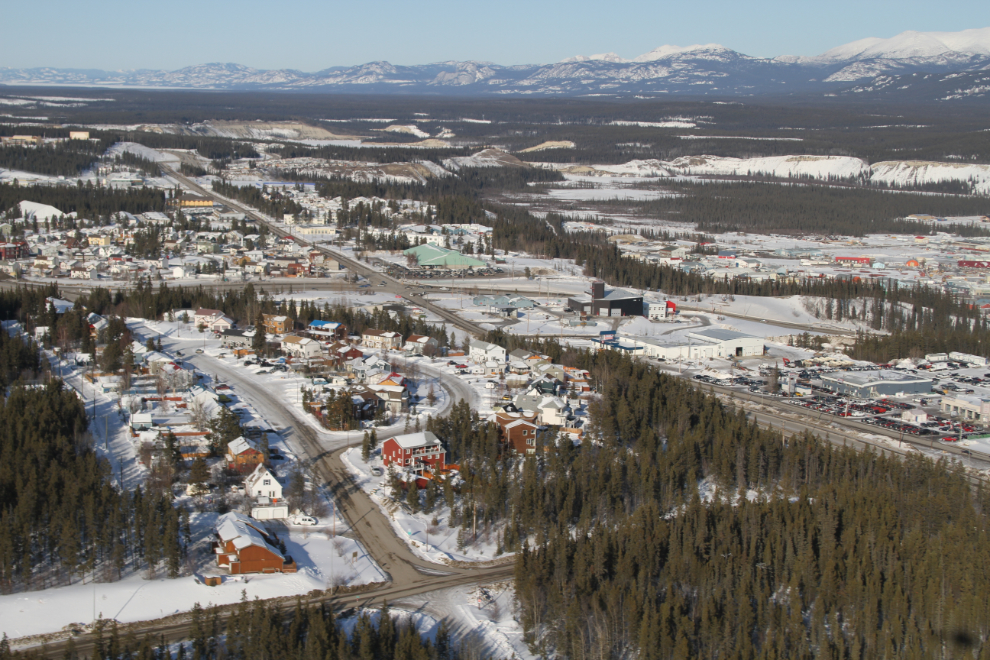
<point x="416" y="440"/>
<point x="721" y="334"/>
<point x="259" y="473"/>
<point x="241" y="445"/>
<point x="293" y="339"/>
<point x="873" y="378"/>
<point x="324" y="324"/>
<point x="240" y="529"/>
<point x="619" y="294"/>
<point x="434" y="255"/>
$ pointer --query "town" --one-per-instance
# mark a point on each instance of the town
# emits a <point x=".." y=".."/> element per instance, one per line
<point x="445" y="370"/>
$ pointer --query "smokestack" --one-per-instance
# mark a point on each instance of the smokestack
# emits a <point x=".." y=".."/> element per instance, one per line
<point x="597" y="290"/>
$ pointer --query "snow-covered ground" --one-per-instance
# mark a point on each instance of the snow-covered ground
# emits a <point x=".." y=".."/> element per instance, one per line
<point x="324" y="561"/>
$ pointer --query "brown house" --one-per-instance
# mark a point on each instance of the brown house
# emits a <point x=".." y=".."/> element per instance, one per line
<point x="243" y="547"/>
<point x="277" y="325"/>
<point x="518" y="431"/>
<point x="244" y="455"/>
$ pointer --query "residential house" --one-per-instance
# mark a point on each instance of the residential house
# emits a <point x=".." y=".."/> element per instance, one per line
<point x="421" y="345"/>
<point x="482" y="352"/>
<point x="518" y="431"/>
<point x="234" y="339"/>
<point x="243" y="546"/>
<point x="418" y="454"/>
<point x="262" y="483"/>
<point x="277" y="325"/>
<point x="302" y="348"/>
<point x="327" y="330"/>
<point x="244" y="454"/>
<point x="381" y="339"/>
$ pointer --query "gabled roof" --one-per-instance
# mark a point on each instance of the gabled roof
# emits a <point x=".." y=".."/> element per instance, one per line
<point x="259" y="473"/>
<point x="242" y="445"/>
<point x="239" y="529"/>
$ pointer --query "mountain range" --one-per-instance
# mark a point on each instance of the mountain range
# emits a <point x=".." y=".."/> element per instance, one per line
<point x="919" y="66"/>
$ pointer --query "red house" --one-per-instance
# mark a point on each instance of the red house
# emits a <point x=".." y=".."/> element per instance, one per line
<point x="518" y="431"/>
<point x="243" y="547"/>
<point x="864" y="261"/>
<point x="415" y="453"/>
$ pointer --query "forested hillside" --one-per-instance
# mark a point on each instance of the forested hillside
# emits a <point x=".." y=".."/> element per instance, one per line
<point x="800" y="549"/>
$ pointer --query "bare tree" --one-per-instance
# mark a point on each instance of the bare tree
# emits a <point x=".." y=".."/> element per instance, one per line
<point x="198" y="414"/>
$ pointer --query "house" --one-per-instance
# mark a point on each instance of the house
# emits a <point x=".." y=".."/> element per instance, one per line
<point x="262" y="483"/>
<point x="518" y="431"/>
<point x="302" y="348"/>
<point x="381" y="339"/>
<point x="416" y="453"/>
<point x="243" y="547"/>
<point x="277" y="325"/>
<point x="421" y="345"/>
<point x="234" y="339"/>
<point x="206" y="316"/>
<point x="482" y="352"/>
<point x="327" y="330"/>
<point x="244" y="454"/>
<point x="141" y="422"/>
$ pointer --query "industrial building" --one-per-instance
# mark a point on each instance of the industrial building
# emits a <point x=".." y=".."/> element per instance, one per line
<point x="433" y="256"/>
<point x="706" y="343"/>
<point x="616" y="302"/>
<point x="873" y="384"/>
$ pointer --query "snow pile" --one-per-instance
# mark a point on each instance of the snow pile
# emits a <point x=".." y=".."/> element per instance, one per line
<point x="914" y="172"/>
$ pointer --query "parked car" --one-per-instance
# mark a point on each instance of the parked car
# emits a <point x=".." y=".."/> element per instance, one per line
<point x="303" y="520"/>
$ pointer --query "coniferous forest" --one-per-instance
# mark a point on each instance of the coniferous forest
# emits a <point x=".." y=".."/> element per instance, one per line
<point x="800" y="549"/>
<point x="61" y="516"/>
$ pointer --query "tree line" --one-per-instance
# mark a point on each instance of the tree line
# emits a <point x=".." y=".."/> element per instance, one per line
<point x="260" y="629"/>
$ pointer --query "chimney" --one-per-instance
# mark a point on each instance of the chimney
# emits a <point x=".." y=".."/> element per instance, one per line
<point x="597" y="290"/>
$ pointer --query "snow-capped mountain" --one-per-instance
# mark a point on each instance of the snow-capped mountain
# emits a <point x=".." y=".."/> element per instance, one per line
<point x="867" y="66"/>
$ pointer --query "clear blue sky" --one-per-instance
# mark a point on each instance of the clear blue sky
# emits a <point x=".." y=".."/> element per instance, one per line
<point x="314" y="34"/>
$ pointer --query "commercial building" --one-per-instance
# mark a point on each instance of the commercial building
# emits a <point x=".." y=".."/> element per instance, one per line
<point x="436" y="257"/>
<point x="615" y="302"/>
<point x="873" y="384"/>
<point x="966" y="406"/>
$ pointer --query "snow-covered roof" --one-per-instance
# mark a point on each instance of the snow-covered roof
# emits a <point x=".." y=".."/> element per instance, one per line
<point x="238" y="528"/>
<point x="416" y="440"/>
<point x="241" y="445"/>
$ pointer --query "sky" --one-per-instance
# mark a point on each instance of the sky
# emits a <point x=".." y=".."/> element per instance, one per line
<point x="310" y="35"/>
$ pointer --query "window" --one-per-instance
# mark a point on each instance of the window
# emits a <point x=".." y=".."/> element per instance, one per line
<point x="267" y="482"/>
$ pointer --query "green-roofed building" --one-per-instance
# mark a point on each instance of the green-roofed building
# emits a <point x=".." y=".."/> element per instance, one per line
<point x="434" y="256"/>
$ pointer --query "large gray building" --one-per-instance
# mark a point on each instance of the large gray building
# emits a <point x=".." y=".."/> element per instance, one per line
<point x="872" y="384"/>
<point x="615" y="302"/>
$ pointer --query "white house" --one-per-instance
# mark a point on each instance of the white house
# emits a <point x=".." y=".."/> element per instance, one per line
<point x="483" y="352"/>
<point x="301" y="347"/>
<point x="421" y="345"/>
<point x="262" y="483"/>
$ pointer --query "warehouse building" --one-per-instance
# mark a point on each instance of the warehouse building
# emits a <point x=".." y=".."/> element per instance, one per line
<point x="615" y="302"/>
<point x="873" y="384"/>
<point x="433" y="257"/>
<point x="706" y="343"/>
